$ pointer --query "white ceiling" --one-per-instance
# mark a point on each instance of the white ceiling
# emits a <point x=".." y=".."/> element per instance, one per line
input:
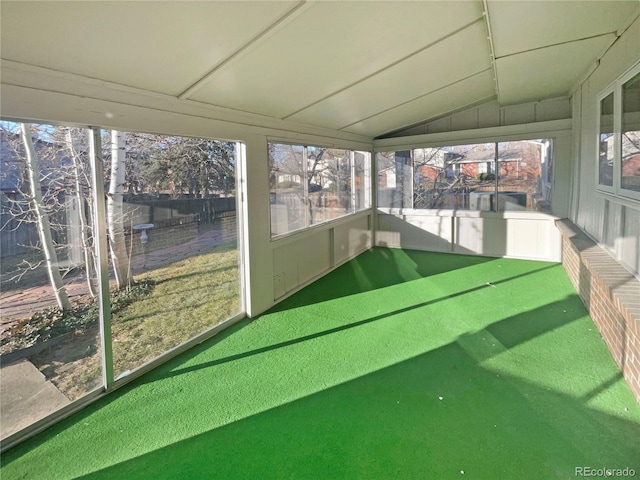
<point x="362" y="67"/>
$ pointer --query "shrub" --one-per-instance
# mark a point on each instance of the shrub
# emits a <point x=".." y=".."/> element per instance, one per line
<point x="53" y="322"/>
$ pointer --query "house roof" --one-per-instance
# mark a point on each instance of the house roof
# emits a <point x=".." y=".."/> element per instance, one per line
<point x="362" y="67"/>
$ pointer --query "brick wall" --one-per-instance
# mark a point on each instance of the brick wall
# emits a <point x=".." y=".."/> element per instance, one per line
<point x="611" y="295"/>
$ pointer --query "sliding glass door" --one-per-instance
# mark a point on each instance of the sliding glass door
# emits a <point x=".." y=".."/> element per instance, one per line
<point x="155" y="215"/>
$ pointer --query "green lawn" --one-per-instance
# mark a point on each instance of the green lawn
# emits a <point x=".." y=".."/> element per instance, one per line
<point x="189" y="297"/>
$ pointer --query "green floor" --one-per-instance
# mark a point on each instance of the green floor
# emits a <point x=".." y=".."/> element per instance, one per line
<point x="398" y="365"/>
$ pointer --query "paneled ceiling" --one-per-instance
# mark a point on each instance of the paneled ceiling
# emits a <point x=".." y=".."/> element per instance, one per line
<point x="361" y="67"/>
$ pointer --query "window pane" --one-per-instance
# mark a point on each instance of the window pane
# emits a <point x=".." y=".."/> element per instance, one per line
<point x="329" y="183"/>
<point x="286" y="181"/>
<point x="395" y="179"/>
<point x="362" y="179"/>
<point x="606" y="153"/>
<point x="173" y="241"/>
<point x="457" y="177"/>
<point x="520" y="182"/>
<point x="631" y="135"/>
<point x="470" y="174"/>
<point x="50" y="343"/>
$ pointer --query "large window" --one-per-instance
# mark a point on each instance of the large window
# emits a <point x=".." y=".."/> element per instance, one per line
<point x="618" y="170"/>
<point x="139" y="227"/>
<point x="512" y="175"/>
<point x="311" y="185"/>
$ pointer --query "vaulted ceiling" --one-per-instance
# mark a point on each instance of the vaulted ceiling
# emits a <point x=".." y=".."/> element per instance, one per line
<point x="361" y="67"/>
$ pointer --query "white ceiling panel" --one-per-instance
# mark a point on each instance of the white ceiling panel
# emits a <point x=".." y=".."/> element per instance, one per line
<point x="158" y="46"/>
<point x="467" y="92"/>
<point x="425" y="72"/>
<point x="526" y="25"/>
<point x="366" y="67"/>
<point x="547" y="72"/>
<point x="328" y="47"/>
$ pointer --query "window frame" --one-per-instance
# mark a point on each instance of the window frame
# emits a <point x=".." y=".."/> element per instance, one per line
<point x="354" y="210"/>
<point x="489" y="167"/>
<point x="616" y="192"/>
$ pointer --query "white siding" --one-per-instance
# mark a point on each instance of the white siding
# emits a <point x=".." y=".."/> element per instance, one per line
<point x="615" y="224"/>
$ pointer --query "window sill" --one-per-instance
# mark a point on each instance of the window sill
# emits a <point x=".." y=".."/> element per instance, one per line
<point x="516" y="214"/>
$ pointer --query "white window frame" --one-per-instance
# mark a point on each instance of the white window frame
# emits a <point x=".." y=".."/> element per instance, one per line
<point x="305" y="166"/>
<point x="616" y="191"/>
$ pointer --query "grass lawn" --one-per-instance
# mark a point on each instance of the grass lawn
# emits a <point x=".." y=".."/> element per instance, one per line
<point x="190" y="296"/>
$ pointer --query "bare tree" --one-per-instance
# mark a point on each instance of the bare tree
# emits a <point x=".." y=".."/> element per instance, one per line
<point x="115" y="213"/>
<point x="81" y="187"/>
<point x="42" y="219"/>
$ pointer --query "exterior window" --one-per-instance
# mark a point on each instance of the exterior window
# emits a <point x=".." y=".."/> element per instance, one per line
<point x="141" y="227"/>
<point x="606" y="152"/>
<point x="487" y="176"/>
<point x="618" y="171"/>
<point x="311" y="185"/>
<point x="630" y="141"/>
<point x="288" y="186"/>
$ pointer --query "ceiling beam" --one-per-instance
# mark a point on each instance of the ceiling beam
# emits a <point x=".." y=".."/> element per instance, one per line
<point x="485" y="13"/>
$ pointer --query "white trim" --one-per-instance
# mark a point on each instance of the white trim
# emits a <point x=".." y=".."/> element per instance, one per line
<point x="28" y="91"/>
<point x="620" y="200"/>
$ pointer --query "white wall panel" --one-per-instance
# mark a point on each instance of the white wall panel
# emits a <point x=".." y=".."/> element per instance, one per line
<point x="303" y="257"/>
<point x="527" y="235"/>
<point x="465" y="120"/>
<point x="314" y="255"/>
<point x="517" y="114"/>
<point x="350" y="239"/>
<point x="419" y="231"/>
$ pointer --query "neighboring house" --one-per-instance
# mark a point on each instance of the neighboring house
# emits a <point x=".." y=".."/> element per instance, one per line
<point x="17" y="236"/>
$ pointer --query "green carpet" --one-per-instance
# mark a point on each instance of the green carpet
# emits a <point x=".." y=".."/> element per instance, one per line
<point x="397" y="365"/>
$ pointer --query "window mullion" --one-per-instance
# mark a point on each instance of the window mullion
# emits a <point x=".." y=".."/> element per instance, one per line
<point x="305" y="186"/>
<point x="100" y="245"/>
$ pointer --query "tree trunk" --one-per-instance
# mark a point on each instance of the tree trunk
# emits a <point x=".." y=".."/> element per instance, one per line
<point x="86" y="243"/>
<point x="42" y="220"/>
<point x="115" y="215"/>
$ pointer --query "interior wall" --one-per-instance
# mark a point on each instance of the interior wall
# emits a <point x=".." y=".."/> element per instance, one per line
<point x="39" y="95"/>
<point x="522" y="235"/>
<point x="300" y="259"/>
<point x="598" y="215"/>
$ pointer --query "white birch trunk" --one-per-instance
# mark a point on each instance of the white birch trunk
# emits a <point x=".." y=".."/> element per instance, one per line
<point x="84" y="227"/>
<point x="42" y="220"/>
<point x="115" y="214"/>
